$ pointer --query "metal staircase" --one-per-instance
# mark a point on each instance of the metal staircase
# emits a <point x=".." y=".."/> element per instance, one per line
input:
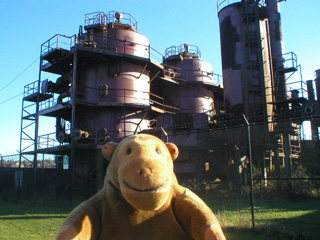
<point x="295" y="147"/>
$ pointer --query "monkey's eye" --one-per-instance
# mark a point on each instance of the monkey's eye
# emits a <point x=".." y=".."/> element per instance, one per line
<point x="158" y="151"/>
<point x="128" y="151"/>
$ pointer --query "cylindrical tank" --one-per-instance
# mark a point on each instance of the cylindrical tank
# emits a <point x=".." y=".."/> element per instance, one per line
<point x="184" y="63"/>
<point x="116" y="32"/>
<point x="246" y="74"/>
<point x="114" y="82"/>
<point x="115" y="123"/>
<point x="118" y="87"/>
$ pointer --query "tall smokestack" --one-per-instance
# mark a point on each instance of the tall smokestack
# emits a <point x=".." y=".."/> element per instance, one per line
<point x="277" y="47"/>
<point x="317" y="83"/>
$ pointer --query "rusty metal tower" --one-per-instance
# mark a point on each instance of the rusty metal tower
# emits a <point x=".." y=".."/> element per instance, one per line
<point x="101" y="92"/>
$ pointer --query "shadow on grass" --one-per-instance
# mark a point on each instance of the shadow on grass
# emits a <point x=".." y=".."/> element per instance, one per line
<point x="278" y="219"/>
<point x="25" y="208"/>
<point x="8" y="218"/>
<point x="304" y="227"/>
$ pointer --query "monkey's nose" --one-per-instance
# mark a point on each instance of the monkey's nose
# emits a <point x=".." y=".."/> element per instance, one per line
<point x="144" y="175"/>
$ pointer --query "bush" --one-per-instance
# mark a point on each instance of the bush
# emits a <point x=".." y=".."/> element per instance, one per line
<point x="299" y="187"/>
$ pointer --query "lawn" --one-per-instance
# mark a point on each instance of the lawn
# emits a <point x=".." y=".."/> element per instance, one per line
<point x="274" y="219"/>
<point x="25" y="221"/>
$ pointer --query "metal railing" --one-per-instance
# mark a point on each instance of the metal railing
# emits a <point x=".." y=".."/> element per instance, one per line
<point x="112" y="96"/>
<point x="155" y="55"/>
<point x="297" y="84"/>
<point x="197" y="75"/>
<point x="48" y="141"/>
<point x="126" y="47"/>
<point x="176" y="50"/>
<point x="223" y="3"/>
<point x="290" y="61"/>
<point x="101" y="18"/>
<point x="105" y="94"/>
<point x="58" y="42"/>
<point x="51" y="102"/>
<point x="159" y="102"/>
<point x="30" y="89"/>
<point x="122" y="47"/>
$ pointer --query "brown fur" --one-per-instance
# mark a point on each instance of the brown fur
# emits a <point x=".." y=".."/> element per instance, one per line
<point x="141" y="199"/>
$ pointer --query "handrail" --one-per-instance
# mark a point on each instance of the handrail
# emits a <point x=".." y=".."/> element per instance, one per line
<point x="94" y="95"/>
<point x="126" y="47"/>
<point x="51" y="102"/>
<point x="98" y="94"/>
<point x="30" y="89"/>
<point x="102" y="18"/>
<point x="48" y="141"/>
<point x="290" y="62"/>
<point x="177" y="74"/>
<point x="290" y="58"/>
<point x="176" y="50"/>
<point x="159" y="102"/>
<point x="155" y="54"/>
<point x="223" y="3"/>
<point x="58" y="41"/>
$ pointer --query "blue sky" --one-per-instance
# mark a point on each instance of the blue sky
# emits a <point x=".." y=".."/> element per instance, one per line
<point x="26" y="24"/>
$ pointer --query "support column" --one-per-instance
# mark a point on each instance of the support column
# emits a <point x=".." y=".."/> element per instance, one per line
<point x="72" y="159"/>
<point x="287" y="153"/>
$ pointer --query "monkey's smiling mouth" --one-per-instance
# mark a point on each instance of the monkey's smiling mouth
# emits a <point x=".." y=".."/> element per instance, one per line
<point x="145" y="190"/>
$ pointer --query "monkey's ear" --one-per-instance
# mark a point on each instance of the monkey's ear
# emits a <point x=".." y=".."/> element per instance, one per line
<point x="108" y="149"/>
<point x="173" y="149"/>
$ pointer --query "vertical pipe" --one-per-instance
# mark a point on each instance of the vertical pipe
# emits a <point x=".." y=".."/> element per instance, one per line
<point x="310" y="90"/>
<point x="277" y="47"/>
<point x="277" y="165"/>
<point x="311" y="97"/>
<point x="35" y="158"/>
<point x="73" y="120"/>
<point x="317" y="82"/>
<point x="251" y="171"/>
<point x="287" y="153"/>
<point x="20" y="149"/>
<point x="301" y="81"/>
<point x="265" y="173"/>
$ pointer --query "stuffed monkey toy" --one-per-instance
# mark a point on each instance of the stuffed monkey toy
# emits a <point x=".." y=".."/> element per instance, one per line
<point x="141" y="199"/>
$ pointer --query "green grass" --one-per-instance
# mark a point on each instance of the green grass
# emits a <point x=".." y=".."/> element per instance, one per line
<point x="24" y="221"/>
<point x="274" y="219"/>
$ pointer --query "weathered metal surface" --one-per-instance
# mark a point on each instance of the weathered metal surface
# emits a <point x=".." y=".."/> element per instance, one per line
<point x="317" y="83"/>
<point x="114" y="82"/>
<point x="277" y="47"/>
<point x="232" y="56"/>
<point x="247" y="78"/>
<point x="191" y="96"/>
<point x="112" y="32"/>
